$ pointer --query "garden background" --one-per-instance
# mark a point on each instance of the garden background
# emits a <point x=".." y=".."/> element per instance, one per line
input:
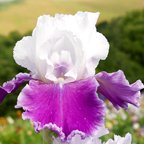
<point x="121" y="21"/>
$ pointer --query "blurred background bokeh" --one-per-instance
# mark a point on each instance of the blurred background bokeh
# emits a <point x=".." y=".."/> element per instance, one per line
<point x="121" y="21"/>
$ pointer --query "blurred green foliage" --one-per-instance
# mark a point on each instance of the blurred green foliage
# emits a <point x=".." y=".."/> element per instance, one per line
<point x="123" y="126"/>
<point x="126" y="38"/>
<point x="22" y="132"/>
<point x="8" y="69"/>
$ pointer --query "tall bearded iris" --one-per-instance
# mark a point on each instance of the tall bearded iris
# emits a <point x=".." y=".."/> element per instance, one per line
<point x="62" y="94"/>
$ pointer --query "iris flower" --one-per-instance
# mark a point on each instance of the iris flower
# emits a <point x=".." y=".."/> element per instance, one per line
<point x="63" y="90"/>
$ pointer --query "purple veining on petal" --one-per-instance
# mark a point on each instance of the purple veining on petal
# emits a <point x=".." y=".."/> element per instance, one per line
<point x="11" y="86"/>
<point x="117" y="89"/>
<point x="71" y="106"/>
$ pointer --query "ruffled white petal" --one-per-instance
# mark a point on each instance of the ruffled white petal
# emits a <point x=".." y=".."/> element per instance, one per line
<point x="97" y="49"/>
<point x="77" y="138"/>
<point x="98" y="46"/>
<point x="95" y="139"/>
<point x="24" y="53"/>
<point x="63" y="47"/>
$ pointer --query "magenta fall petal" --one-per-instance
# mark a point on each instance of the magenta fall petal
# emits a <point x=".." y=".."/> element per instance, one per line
<point x="11" y="86"/>
<point x="69" y="107"/>
<point x="117" y="89"/>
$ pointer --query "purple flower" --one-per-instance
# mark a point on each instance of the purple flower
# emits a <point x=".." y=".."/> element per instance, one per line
<point x="62" y="94"/>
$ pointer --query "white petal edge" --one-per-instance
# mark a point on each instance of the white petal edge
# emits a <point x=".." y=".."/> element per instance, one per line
<point x="24" y="53"/>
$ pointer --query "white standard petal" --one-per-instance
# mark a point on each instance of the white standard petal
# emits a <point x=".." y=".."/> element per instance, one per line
<point x="79" y="24"/>
<point x="64" y="53"/>
<point x="64" y="47"/>
<point x="98" y="46"/>
<point x="97" y="49"/>
<point x="24" y="53"/>
<point x="89" y="18"/>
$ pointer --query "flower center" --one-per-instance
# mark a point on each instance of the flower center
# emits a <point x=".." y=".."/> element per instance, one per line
<point x="60" y="70"/>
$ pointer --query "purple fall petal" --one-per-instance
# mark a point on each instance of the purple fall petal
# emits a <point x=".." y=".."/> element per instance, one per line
<point x="11" y="86"/>
<point x="63" y="108"/>
<point x="117" y="89"/>
<point x="3" y="93"/>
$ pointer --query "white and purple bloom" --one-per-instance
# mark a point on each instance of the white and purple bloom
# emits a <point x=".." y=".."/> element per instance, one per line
<point x="62" y="94"/>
